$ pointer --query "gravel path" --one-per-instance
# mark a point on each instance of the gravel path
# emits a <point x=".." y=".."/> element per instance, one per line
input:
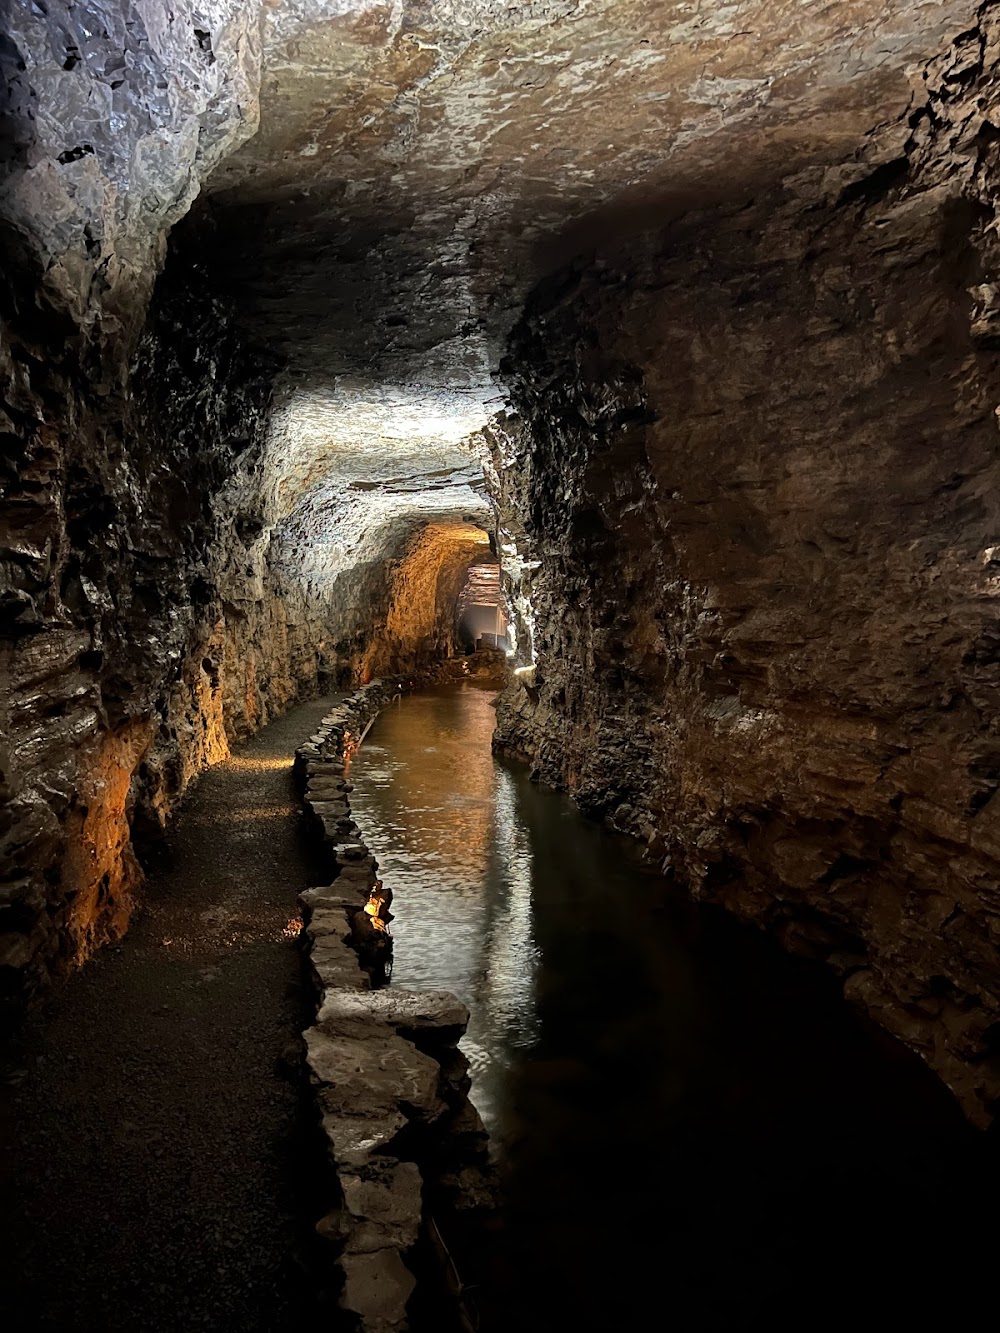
<point x="158" y="1165"/>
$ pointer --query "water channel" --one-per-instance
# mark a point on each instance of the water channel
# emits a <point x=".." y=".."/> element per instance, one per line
<point x="691" y="1126"/>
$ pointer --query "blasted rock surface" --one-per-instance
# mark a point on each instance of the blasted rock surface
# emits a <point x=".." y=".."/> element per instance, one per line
<point x="138" y="634"/>
<point x="420" y="162"/>
<point x="748" y="499"/>
<point x="120" y="433"/>
<point x="744" y="493"/>
<point x="114" y="115"/>
<point x="451" y="141"/>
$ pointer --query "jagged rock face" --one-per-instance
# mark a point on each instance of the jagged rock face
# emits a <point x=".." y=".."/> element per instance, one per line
<point x="418" y="159"/>
<point x="420" y="623"/>
<point x="119" y="445"/>
<point x="748" y="499"/>
<point x="115" y="115"/>
<point x="136" y="634"/>
<point x="153" y="608"/>
<point x="420" y="162"/>
<point x="351" y="494"/>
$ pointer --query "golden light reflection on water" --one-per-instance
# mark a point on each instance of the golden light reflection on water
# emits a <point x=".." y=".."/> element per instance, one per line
<point x="443" y="818"/>
<point x="449" y="805"/>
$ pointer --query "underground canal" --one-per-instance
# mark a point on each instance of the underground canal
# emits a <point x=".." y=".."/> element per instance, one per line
<point x="642" y="357"/>
<point x="683" y="1117"/>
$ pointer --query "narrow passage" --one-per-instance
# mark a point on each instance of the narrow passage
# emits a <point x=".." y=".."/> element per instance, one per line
<point x="164" y="1160"/>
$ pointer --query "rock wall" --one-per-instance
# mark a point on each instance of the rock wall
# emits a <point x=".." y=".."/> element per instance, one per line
<point x="114" y="116"/>
<point x="391" y="610"/>
<point x="371" y="563"/>
<point x="747" y="499"/>
<point x="138" y="632"/>
<point x="155" y="607"/>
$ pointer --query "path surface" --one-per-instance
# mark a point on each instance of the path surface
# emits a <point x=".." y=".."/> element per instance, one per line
<point x="158" y="1166"/>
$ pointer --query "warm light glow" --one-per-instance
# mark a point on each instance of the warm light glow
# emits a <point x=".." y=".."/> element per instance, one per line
<point x="268" y="765"/>
<point x="375" y="908"/>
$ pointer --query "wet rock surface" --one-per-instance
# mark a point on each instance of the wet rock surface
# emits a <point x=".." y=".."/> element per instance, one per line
<point x="160" y="1168"/>
<point x="453" y="143"/>
<point x="748" y="487"/>
<point x="407" y="1146"/>
<point x="114" y="115"/>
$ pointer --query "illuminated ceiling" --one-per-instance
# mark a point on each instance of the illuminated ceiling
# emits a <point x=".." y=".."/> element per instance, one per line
<point x="420" y="162"/>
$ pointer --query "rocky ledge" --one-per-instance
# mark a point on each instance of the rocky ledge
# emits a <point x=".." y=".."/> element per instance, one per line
<point x="409" y="1149"/>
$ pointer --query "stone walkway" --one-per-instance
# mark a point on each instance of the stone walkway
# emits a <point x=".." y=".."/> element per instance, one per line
<point x="158" y="1171"/>
<point x="391" y="1084"/>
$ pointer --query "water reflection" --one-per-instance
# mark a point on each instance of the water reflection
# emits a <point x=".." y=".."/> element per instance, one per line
<point x="689" y="1122"/>
<point x="452" y="844"/>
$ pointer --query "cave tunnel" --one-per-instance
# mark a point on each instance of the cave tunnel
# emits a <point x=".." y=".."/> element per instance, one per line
<point x="481" y="608"/>
<point x="499" y="520"/>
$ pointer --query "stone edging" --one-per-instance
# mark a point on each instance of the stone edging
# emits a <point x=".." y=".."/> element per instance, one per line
<point x="390" y="1083"/>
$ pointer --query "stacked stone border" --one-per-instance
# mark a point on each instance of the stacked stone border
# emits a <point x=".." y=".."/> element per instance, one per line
<point x="409" y="1150"/>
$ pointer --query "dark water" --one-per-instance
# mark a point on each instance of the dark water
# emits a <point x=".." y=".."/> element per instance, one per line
<point x="694" y="1130"/>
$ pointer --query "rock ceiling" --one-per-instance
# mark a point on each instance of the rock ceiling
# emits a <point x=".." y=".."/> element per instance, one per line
<point x="419" y="162"/>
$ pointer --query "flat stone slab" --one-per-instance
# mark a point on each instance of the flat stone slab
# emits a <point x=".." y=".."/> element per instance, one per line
<point x="351" y="851"/>
<point x="330" y="920"/>
<point x="328" y="806"/>
<point x="369" y="867"/>
<point x="370" y="1066"/>
<point x="340" y="828"/>
<point x="333" y="807"/>
<point x="354" y="1140"/>
<point x="330" y="975"/>
<point x="356" y="871"/>
<point x="319" y="763"/>
<point x="376" y="1288"/>
<point x="336" y="964"/>
<point x="384" y="1202"/>
<point x="350" y="895"/>
<point x="408" y="1012"/>
<point x="335" y="830"/>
